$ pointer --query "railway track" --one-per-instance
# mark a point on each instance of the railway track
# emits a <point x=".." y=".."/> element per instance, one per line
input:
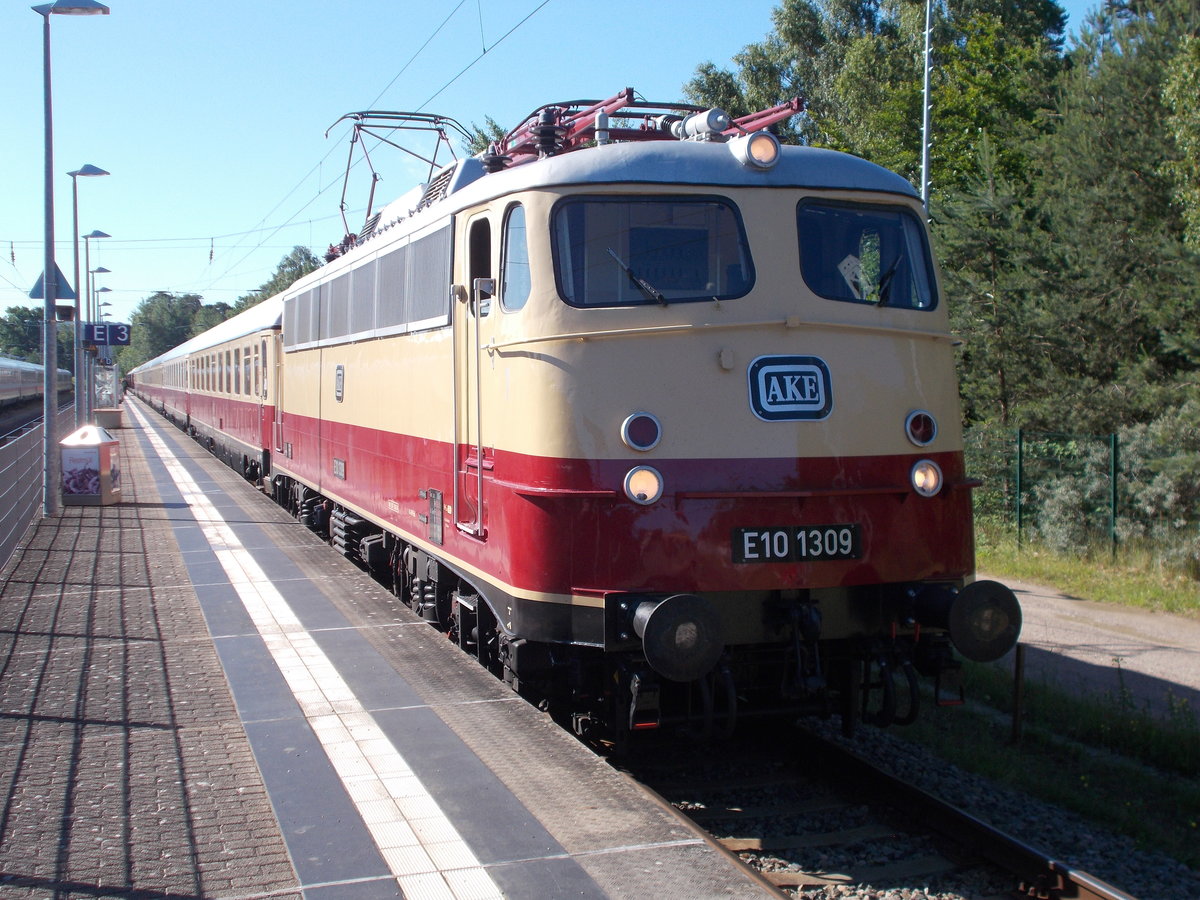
<point x="18" y="419"/>
<point x="816" y="821"/>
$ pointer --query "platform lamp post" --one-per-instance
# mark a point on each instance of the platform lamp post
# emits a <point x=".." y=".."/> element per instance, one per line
<point x="101" y="314"/>
<point x="81" y="297"/>
<point x="49" y="274"/>
<point x="92" y="289"/>
<point x="91" y="310"/>
<point x="94" y="316"/>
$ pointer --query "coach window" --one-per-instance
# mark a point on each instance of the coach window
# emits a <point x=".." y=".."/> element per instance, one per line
<point x="246" y="371"/>
<point x="264" y="367"/>
<point x="228" y="372"/>
<point x="515" y="282"/>
<point x="237" y="371"/>
<point x="860" y="253"/>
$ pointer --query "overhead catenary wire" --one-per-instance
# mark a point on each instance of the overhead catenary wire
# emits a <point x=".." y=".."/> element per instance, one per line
<point x="322" y="189"/>
<point x="263" y="230"/>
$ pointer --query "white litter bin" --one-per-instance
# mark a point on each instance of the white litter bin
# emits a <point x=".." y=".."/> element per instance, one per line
<point x="91" y="467"/>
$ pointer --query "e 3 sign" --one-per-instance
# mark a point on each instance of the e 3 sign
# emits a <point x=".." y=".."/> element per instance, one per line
<point x="106" y="334"/>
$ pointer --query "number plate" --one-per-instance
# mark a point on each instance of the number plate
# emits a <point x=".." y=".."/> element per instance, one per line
<point x="796" y="543"/>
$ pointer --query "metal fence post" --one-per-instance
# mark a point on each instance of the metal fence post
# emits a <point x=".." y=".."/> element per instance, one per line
<point x="1020" y="465"/>
<point x="1113" y="469"/>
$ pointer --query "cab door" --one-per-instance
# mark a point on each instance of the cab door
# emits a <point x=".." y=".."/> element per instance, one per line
<point x="276" y="370"/>
<point x="472" y="328"/>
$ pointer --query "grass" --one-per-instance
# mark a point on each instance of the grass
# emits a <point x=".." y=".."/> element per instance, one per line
<point x="1133" y="577"/>
<point x="1100" y="756"/>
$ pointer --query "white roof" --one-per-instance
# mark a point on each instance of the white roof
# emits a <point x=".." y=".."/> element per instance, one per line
<point x="260" y="317"/>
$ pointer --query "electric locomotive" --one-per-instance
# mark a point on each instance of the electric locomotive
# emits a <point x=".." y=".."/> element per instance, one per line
<point x="655" y="416"/>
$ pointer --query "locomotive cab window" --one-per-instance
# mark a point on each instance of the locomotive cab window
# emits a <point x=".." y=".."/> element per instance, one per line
<point x="865" y="254"/>
<point x="617" y="252"/>
<point x="515" y="283"/>
<point x="480" y="262"/>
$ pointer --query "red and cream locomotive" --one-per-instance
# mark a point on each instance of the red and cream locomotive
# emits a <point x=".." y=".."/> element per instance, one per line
<point x="653" y="415"/>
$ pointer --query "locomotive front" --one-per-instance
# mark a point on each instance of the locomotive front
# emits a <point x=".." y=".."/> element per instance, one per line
<point x="731" y="459"/>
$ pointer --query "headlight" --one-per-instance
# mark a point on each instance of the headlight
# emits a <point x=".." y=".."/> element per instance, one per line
<point x="926" y="478"/>
<point x="641" y="431"/>
<point x="757" y="151"/>
<point x="643" y="485"/>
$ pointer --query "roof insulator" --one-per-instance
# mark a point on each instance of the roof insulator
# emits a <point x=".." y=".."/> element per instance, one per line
<point x="548" y="134"/>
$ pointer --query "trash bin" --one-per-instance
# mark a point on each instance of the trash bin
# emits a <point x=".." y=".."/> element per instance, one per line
<point x="91" y="467"/>
<point x="109" y="418"/>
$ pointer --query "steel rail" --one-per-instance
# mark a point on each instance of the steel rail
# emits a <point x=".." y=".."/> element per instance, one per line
<point x="1038" y="874"/>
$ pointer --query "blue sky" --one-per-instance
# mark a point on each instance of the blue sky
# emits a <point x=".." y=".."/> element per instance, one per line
<point x="211" y="115"/>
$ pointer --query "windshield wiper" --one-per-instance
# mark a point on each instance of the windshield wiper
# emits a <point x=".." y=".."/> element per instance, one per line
<point x="647" y="288"/>
<point x="885" y="283"/>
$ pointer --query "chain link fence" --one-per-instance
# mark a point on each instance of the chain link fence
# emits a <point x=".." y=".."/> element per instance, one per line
<point x="20" y="487"/>
<point x="1082" y="491"/>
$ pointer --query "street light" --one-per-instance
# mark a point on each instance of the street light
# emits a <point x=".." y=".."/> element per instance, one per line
<point x="81" y="417"/>
<point x="92" y="273"/>
<point x="101" y="314"/>
<point x="91" y="310"/>
<point x="50" y="287"/>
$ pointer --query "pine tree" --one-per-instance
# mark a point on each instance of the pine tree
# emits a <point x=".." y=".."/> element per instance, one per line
<point x="1120" y="286"/>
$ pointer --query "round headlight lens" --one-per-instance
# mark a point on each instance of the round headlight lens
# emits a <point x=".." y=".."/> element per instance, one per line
<point x="758" y="151"/>
<point x="921" y="427"/>
<point x="643" y="485"/>
<point x="926" y="478"/>
<point x="641" y="431"/>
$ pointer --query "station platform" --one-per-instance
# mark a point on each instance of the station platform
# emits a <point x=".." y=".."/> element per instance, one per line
<point x="198" y="698"/>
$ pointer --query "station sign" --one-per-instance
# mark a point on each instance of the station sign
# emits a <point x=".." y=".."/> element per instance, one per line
<point x="106" y="334"/>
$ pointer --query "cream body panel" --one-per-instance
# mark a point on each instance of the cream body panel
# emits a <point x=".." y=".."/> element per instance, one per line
<point x="402" y="384"/>
<point x="558" y="380"/>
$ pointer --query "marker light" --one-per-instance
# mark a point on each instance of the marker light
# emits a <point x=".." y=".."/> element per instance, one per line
<point x="921" y="427"/>
<point x="926" y="478"/>
<point x="757" y="151"/>
<point x="641" y="431"/>
<point x="643" y="485"/>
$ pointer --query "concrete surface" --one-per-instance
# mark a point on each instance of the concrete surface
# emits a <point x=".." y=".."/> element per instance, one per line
<point x="1153" y="658"/>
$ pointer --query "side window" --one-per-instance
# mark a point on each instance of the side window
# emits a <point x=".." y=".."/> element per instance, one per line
<point x="515" y="284"/>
